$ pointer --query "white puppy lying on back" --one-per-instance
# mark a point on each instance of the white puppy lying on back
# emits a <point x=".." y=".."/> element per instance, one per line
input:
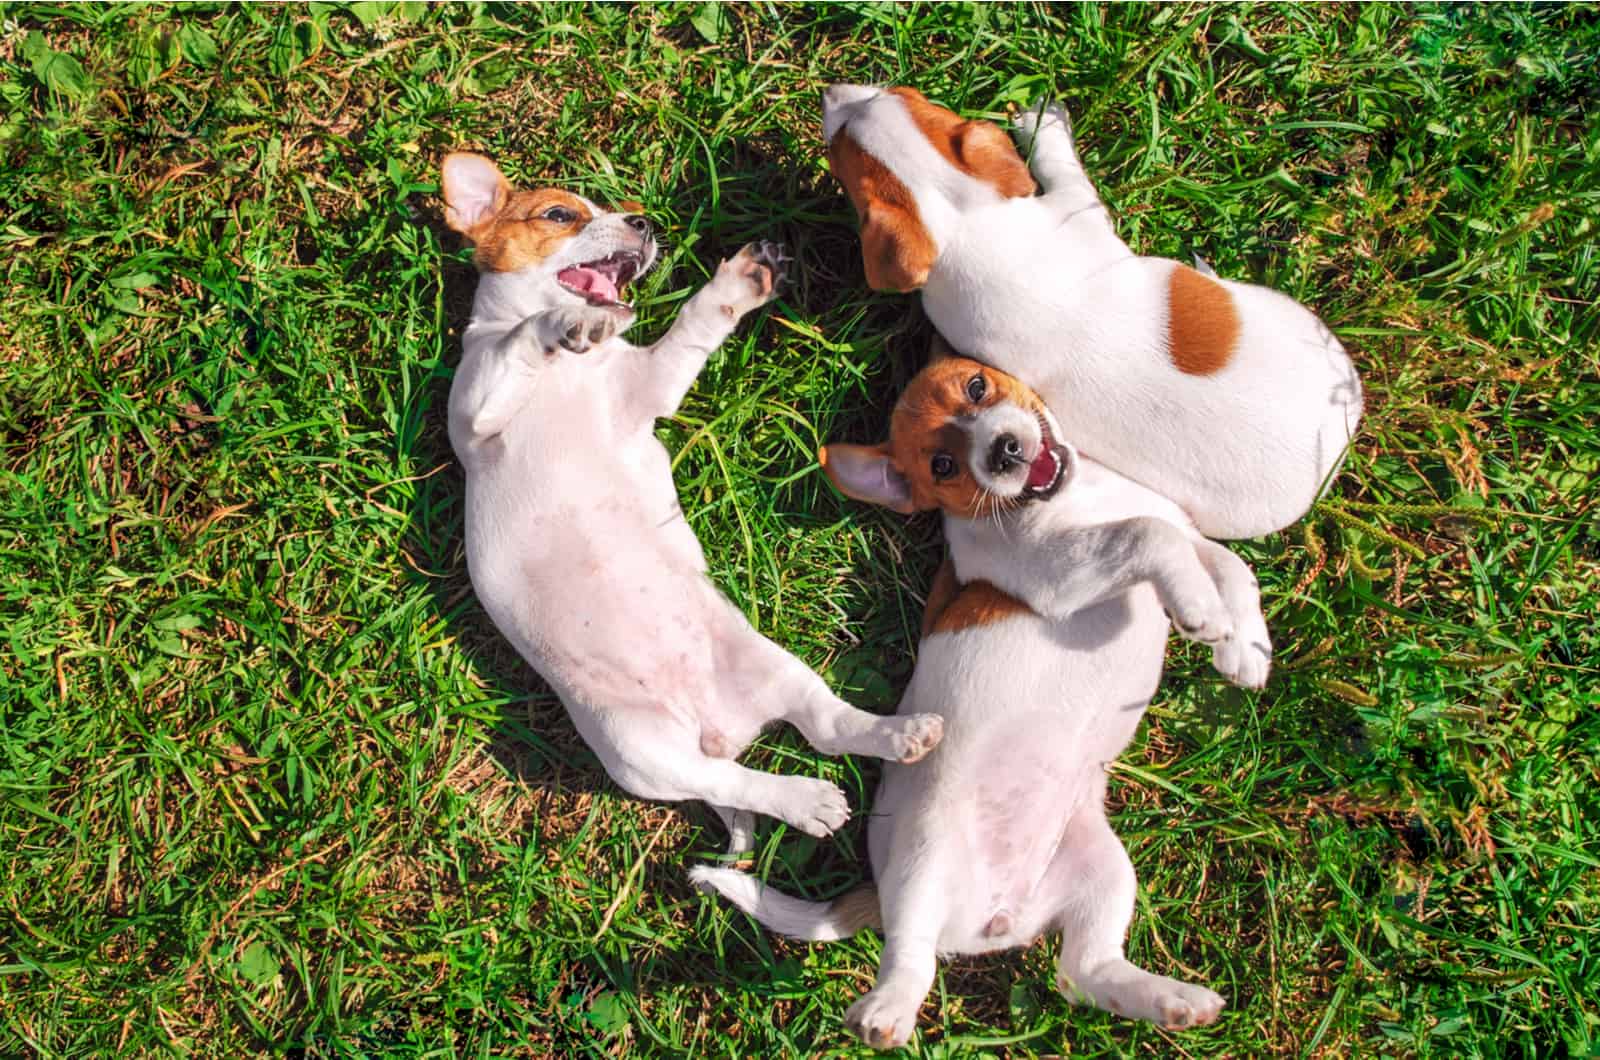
<point x="1230" y="399"/>
<point x="575" y="542"/>
<point x="1042" y="663"/>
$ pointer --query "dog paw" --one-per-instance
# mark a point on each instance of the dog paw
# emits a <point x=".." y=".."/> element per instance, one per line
<point x="1201" y="617"/>
<point x="817" y="808"/>
<point x="915" y="736"/>
<point x="882" y="1020"/>
<point x="1178" y="1005"/>
<point x="751" y="278"/>
<point x="1245" y="660"/>
<point x="1046" y="118"/>
<point x="578" y="329"/>
<point x="1137" y="994"/>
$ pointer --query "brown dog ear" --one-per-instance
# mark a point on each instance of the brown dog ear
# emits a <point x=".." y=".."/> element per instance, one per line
<point x="896" y="251"/>
<point x="988" y="154"/>
<point x="866" y="473"/>
<point x="474" y="191"/>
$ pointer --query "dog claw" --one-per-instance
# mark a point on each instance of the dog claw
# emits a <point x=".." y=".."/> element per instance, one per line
<point x="822" y="809"/>
<point x="881" y="1020"/>
<point x="918" y="734"/>
<point x="762" y="268"/>
<point x="584" y="327"/>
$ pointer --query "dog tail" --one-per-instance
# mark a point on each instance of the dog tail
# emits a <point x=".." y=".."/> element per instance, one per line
<point x="795" y="917"/>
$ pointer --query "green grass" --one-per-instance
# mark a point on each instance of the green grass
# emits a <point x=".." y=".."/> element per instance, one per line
<point x="271" y="781"/>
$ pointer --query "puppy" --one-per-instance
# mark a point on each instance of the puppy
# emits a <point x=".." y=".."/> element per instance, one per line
<point x="1230" y="399"/>
<point x="575" y="542"/>
<point x="1041" y="654"/>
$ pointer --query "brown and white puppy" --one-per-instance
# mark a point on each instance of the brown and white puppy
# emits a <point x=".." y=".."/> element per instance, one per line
<point x="575" y="542"/>
<point x="1041" y="657"/>
<point x="1231" y="399"/>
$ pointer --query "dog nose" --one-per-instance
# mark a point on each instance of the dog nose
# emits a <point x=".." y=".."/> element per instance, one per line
<point x="1005" y="452"/>
<point x="639" y="224"/>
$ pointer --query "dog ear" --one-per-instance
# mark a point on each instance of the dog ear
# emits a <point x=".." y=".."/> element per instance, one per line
<point x="896" y="251"/>
<point x="939" y="348"/>
<point x="865" y="473"/>
<point x="474" y="190"/>
<point x="989" y="155"/>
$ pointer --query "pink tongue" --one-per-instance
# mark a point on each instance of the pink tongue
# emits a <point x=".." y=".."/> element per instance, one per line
<point x="1043" y="469"/>
<point x="597" y="285"/>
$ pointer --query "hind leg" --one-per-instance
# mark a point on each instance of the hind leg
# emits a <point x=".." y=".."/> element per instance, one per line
<point x="774" y="681"/>
<point x="1094" y="921"/>
<point x="664" y="761"/>
<point x="913" y="918"/>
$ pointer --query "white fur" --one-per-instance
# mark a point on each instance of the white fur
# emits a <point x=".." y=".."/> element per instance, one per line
<point x="1044" y="289"/>
<point x="1000" y="835"/>
<point x="580" y="554"/>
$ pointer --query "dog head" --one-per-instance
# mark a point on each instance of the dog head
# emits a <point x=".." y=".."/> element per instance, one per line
<point x="547" y="234"/>
<point x="965" y="439"/>
<point x="910" y="168"/>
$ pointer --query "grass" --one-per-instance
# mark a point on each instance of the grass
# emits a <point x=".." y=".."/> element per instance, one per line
<point x="271" y="782"/>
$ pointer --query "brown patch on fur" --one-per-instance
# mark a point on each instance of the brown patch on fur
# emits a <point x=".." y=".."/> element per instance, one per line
<point x="896" y="249"/>
<point x="980" y="149"/>
<point x="978" y="604"/>
<point x="1203" y="326"/>
<point x="944" y="589"/>
<point x="921" y="428"/>
<point x="856" y="909"/>
<point x="517" y="236"/>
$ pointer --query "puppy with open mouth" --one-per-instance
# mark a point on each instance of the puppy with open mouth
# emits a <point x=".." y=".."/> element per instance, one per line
<point x="575" y="542"/>
<point x="1232" y="399"/>
<point x="1041" y="649"/>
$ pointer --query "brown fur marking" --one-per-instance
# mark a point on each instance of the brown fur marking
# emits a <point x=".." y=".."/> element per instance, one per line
<point x="896" y="248"/>
<point x="921" y="427"/>
<point x="980" y="149"/>
<point x="1203" y="327"/>
<point x="978" y="604"/>
<point x="518" y="237"/>
<point x="944" y="589"/>
<point x="856" y="909"/>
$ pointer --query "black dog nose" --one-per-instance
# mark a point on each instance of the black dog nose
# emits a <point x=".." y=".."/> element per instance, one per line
<point x="639" y="224"/>
<point x="1005" y="452"/>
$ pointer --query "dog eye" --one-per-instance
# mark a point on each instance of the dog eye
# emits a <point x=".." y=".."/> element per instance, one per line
<point x="976" y="388"/>
<point x="944" y="465"/>
<point x="560" y="215"/>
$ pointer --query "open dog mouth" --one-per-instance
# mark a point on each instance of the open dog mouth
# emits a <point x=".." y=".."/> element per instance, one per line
<point x="601" y="282"/>
<point x="1049" y="468"/>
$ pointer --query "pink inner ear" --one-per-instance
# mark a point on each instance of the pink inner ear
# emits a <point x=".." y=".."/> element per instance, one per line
<point x="474" y="190"/>
<point x="865" y="473"/>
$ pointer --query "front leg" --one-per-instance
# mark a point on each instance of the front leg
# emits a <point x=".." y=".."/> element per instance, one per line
<point x="664" y="372"/>
<point x="1044" y="135"/>
<point x="1086" y="565"/>
<point x="496" y="377"/>
<point x="1247" y="658"/>
<point x="1046" y="131"/>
